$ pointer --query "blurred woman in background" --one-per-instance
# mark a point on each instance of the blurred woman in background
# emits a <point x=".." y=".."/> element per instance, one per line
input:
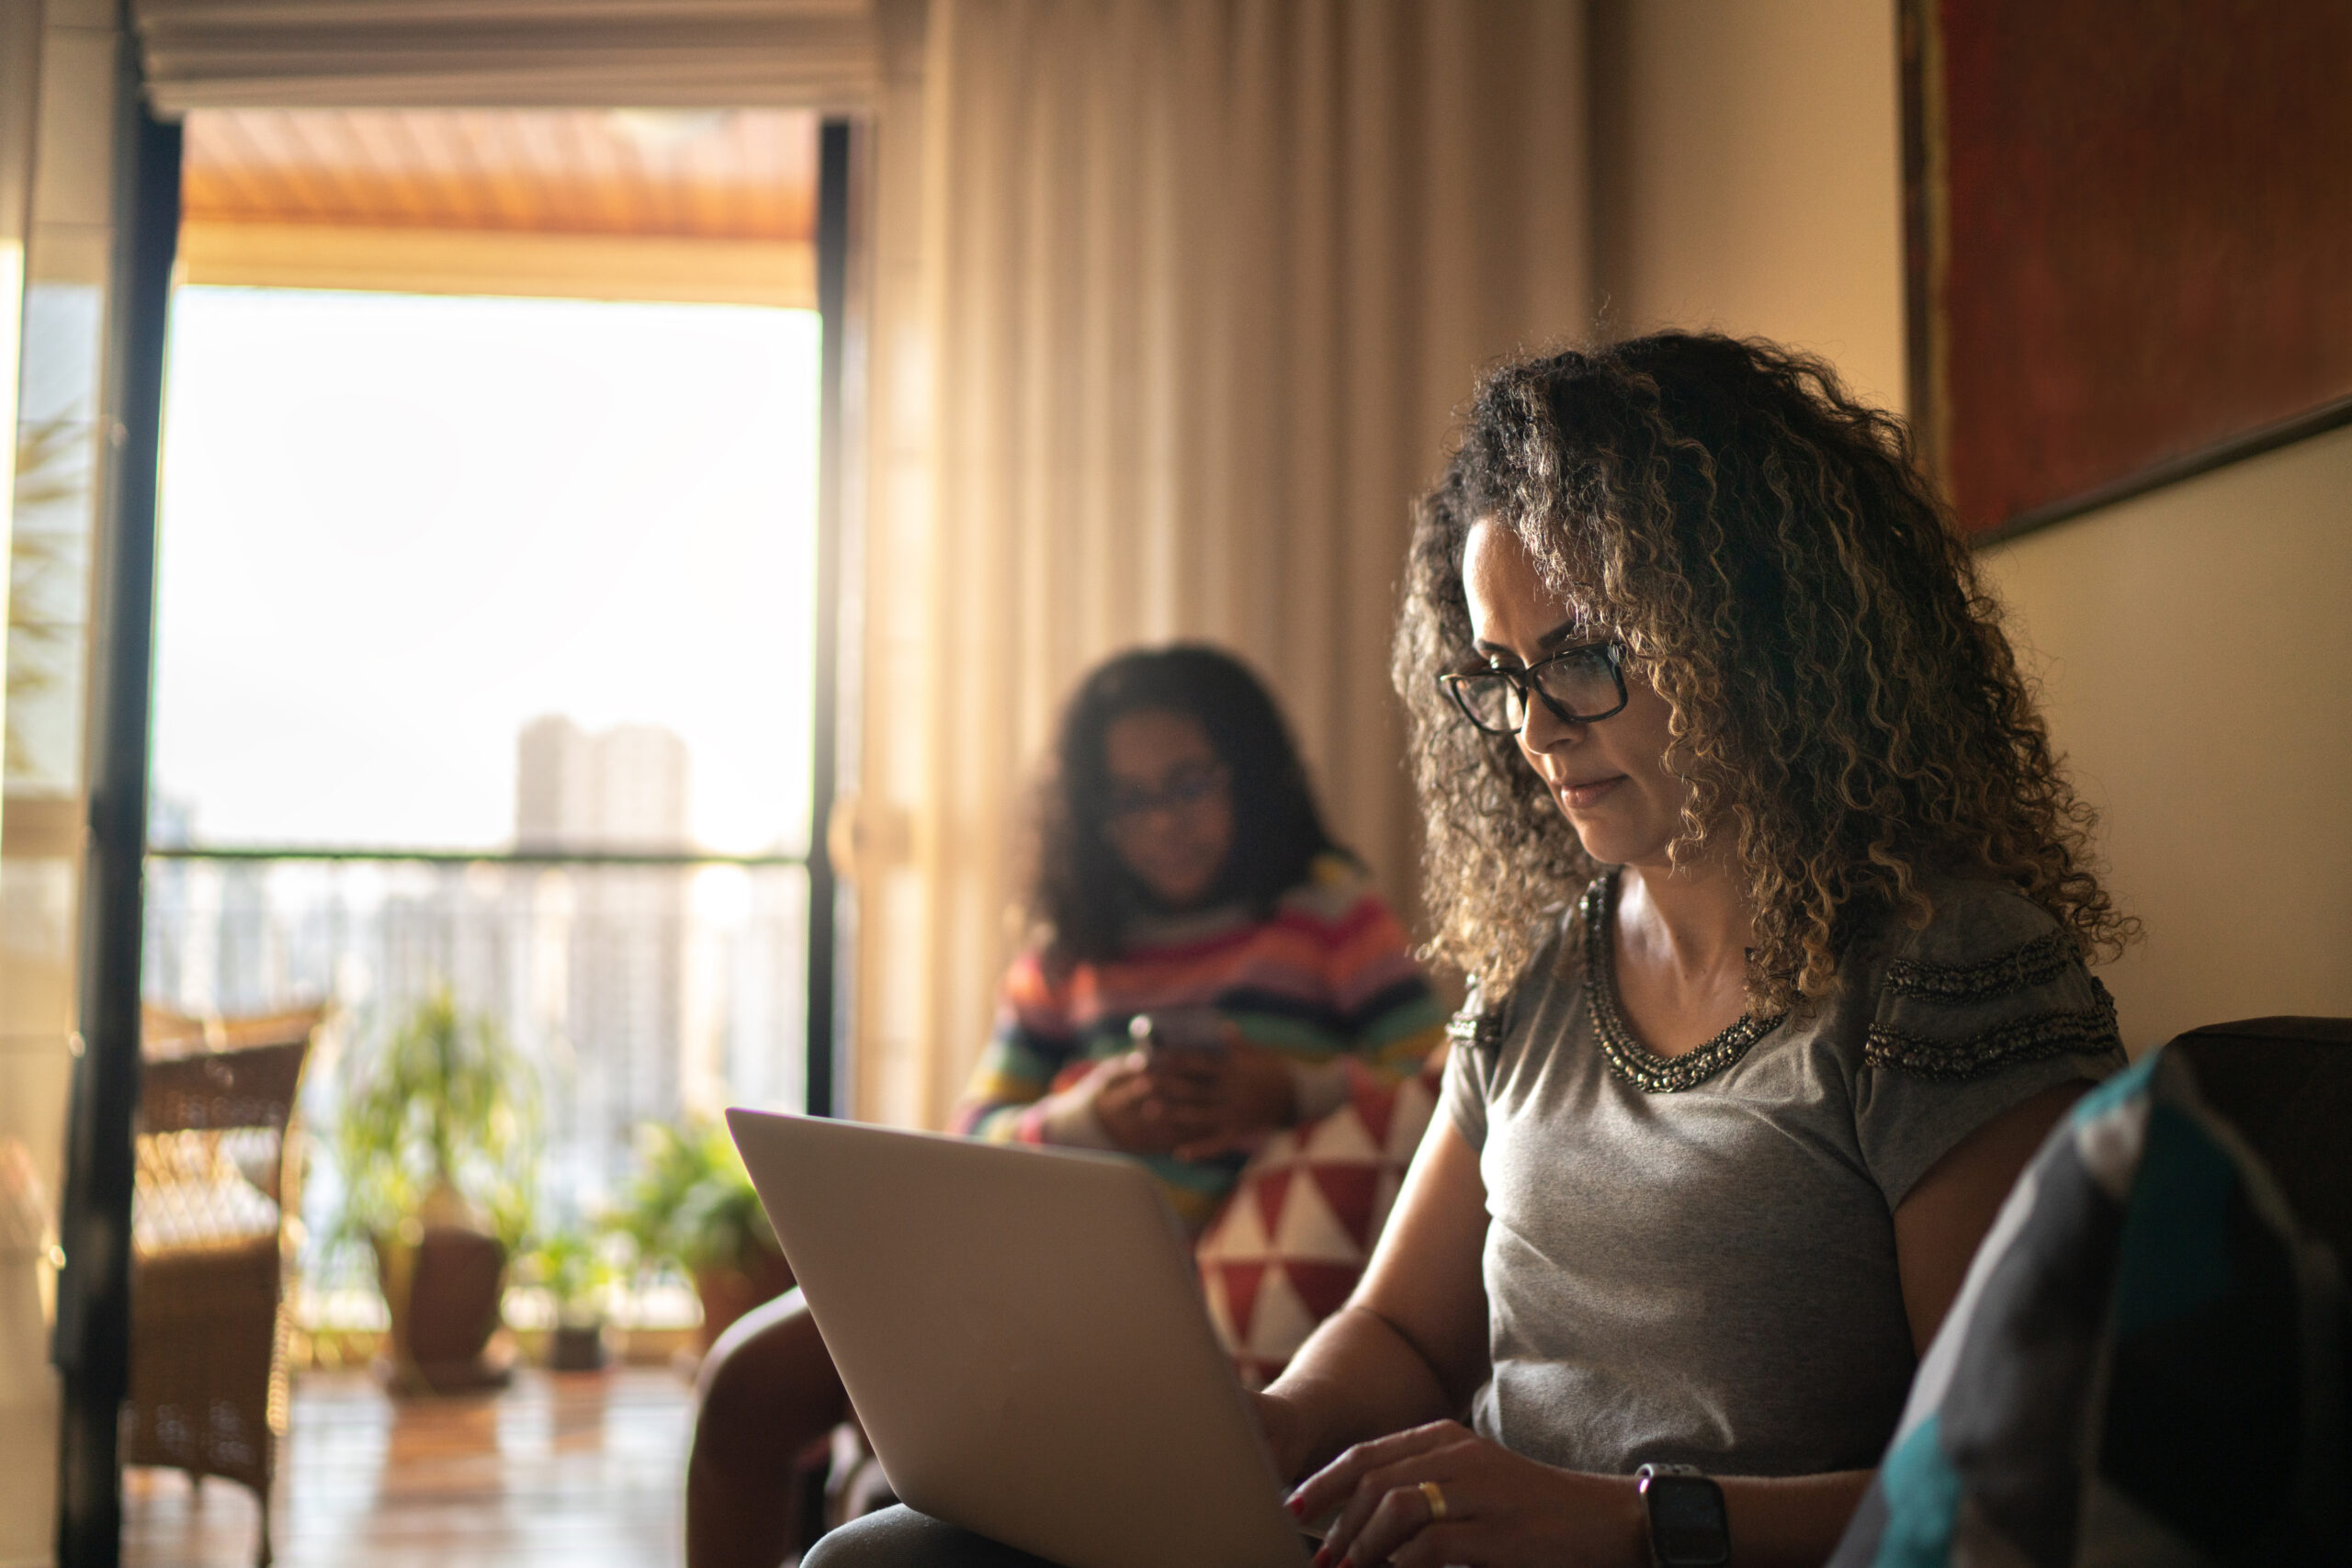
<point x="1184" y="875"/>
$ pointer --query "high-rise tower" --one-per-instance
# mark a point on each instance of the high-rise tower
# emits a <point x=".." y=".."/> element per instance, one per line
<point x="616" y="1015"/>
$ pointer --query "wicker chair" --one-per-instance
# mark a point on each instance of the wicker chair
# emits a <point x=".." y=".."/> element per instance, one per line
<point x="217" y="1182"/>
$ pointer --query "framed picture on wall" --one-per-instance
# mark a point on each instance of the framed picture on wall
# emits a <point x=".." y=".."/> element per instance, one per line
<point x="2129" y="241"/>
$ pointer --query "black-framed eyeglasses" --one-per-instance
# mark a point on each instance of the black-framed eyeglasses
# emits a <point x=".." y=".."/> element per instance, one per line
<point x="1580" y="685"/>
<point x="1186" y="788"/>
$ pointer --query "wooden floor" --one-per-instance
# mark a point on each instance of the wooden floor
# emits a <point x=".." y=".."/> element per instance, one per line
<point x="583" y="1470"/>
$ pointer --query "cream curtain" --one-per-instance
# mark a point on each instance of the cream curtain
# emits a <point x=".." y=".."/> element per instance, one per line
<point x="1172" y="302"/>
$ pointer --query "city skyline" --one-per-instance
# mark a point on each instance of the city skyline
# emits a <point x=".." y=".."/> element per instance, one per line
<point x="644" y="993"/>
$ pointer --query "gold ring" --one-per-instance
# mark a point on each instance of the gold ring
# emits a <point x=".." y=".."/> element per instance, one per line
<point x="1435" y="1494"/>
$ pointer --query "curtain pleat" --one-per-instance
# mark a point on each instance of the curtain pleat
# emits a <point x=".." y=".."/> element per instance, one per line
<point x="1174" y="299"/>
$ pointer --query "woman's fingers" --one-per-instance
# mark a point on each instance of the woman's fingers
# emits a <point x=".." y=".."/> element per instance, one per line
<point x="1218" y="1144"/>
<point x="1150" y="1095"/>
<point x="1436" y="1545"/>
<point x="1330" y="1486"/>
<point x="1341" y="1481"/>
<point x="1141" y="1123"/>
<point x="1401" y="1512"/>
<point x="1122" y="1068"/>
<point x="1178" y="1089"/>
<point x="1490" y="1506"/>
<point x="1389" y="1506"/>
<point x="1334" y="1482"/>
<point x="1196" y="1104"/>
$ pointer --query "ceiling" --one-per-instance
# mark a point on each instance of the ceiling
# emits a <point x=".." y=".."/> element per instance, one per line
<point x="743" y="175"/>
<point x="465" y="53"/>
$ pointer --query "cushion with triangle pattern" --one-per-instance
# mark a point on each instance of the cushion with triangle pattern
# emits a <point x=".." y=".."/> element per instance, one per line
<point x="1292" y="1237"/>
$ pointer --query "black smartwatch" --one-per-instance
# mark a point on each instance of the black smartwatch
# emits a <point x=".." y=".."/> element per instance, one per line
<point x="1688" y="1526"/>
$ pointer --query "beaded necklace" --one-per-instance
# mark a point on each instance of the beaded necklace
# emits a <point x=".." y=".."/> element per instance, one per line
<point x="1628" y="1058"/>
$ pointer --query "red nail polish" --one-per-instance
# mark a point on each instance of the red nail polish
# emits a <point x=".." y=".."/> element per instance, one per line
<point x="1297" y="1506"/>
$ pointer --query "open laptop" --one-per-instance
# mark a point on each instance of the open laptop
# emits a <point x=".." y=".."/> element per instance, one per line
<point x="1022" y="1336"/>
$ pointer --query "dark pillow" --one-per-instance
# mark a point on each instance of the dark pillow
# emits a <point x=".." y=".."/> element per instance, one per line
<point x="2145" y="1364"/>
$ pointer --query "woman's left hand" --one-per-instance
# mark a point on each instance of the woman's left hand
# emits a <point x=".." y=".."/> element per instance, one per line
<point x="1491" y="1508"/>
<point x="1243" y="1092"/>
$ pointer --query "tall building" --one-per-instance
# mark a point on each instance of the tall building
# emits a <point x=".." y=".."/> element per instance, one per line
<point x="615" y="1019"/>
<point x="623" y="788"/>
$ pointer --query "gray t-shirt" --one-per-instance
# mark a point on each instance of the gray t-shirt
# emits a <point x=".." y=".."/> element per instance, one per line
<point x="1691" y="1260"/>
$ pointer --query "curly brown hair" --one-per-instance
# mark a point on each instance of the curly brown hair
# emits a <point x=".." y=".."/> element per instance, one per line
<point x="1080" y="893"/>
<point x="1844" y="702"/>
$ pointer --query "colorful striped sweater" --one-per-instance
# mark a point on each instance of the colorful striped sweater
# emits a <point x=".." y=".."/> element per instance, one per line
<point x="1325" y="980"/>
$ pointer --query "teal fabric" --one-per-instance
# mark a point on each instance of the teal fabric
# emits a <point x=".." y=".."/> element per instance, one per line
<point x="1922" y="1493"/>
<point x="2125" y="1087"/>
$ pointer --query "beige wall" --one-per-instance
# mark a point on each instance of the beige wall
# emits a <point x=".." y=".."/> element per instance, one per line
<point x="2197" y="658"/>
<point x="2194" y="645"/>
<point x="1751" y="175"/>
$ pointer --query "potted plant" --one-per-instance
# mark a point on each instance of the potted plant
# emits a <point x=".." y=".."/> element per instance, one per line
<point x="568" y="1265"/>
<point x="436" y="1136"/>
<point x="693" y="1206"/>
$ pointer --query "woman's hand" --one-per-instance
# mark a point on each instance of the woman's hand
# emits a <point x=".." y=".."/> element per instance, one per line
<point x="1131" y="1096"/>
<point x="1498" y="1509"/>
<point x="1236" y="1095"/>
<point x="1192" y="1104"/>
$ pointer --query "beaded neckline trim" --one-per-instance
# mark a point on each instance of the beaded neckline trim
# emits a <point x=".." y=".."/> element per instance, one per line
<point x="1628" y="1058"/>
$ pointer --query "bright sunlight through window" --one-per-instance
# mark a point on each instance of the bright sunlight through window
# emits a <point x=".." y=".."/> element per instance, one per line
<point x="485" y="649"/>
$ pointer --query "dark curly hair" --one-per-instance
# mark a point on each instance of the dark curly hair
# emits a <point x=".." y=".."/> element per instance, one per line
<point x="1081" y="893"/>
<point x="1844" y="705"/>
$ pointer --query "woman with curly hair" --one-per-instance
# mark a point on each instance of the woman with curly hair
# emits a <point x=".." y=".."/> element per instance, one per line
<point x="1775" y="908"/>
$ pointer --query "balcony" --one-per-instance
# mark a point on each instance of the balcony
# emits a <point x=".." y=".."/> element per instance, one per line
<point x="638" y="987"/>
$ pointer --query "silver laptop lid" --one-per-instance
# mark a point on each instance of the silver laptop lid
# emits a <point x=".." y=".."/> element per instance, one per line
<point x="1022" y="1336"/>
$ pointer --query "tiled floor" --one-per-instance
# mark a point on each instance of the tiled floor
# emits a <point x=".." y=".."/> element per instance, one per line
<point x="584" y="1470"/>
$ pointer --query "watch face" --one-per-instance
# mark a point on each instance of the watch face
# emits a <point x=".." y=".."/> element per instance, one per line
<point x="1687" y="1525"/>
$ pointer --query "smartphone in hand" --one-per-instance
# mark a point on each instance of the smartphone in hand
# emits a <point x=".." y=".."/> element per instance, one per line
<point x="1198" y="1030"/>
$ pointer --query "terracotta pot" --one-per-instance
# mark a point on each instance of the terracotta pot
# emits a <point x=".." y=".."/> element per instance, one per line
<point x="444" y="1285"/>
<point x="728" y="1290"/>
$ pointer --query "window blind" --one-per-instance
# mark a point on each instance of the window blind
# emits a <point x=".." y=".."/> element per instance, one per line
<point x="459" y="53"/>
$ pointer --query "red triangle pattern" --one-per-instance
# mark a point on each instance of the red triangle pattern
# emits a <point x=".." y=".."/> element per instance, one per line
<point x="1271" y="1192"/>
<point x="1322" y="1287"/>
<point x="1242" y="1282"/>
<point x="1351" y="1191"/>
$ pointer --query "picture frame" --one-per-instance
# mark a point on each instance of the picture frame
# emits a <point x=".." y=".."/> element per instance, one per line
<point x="2128" y="244"/>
